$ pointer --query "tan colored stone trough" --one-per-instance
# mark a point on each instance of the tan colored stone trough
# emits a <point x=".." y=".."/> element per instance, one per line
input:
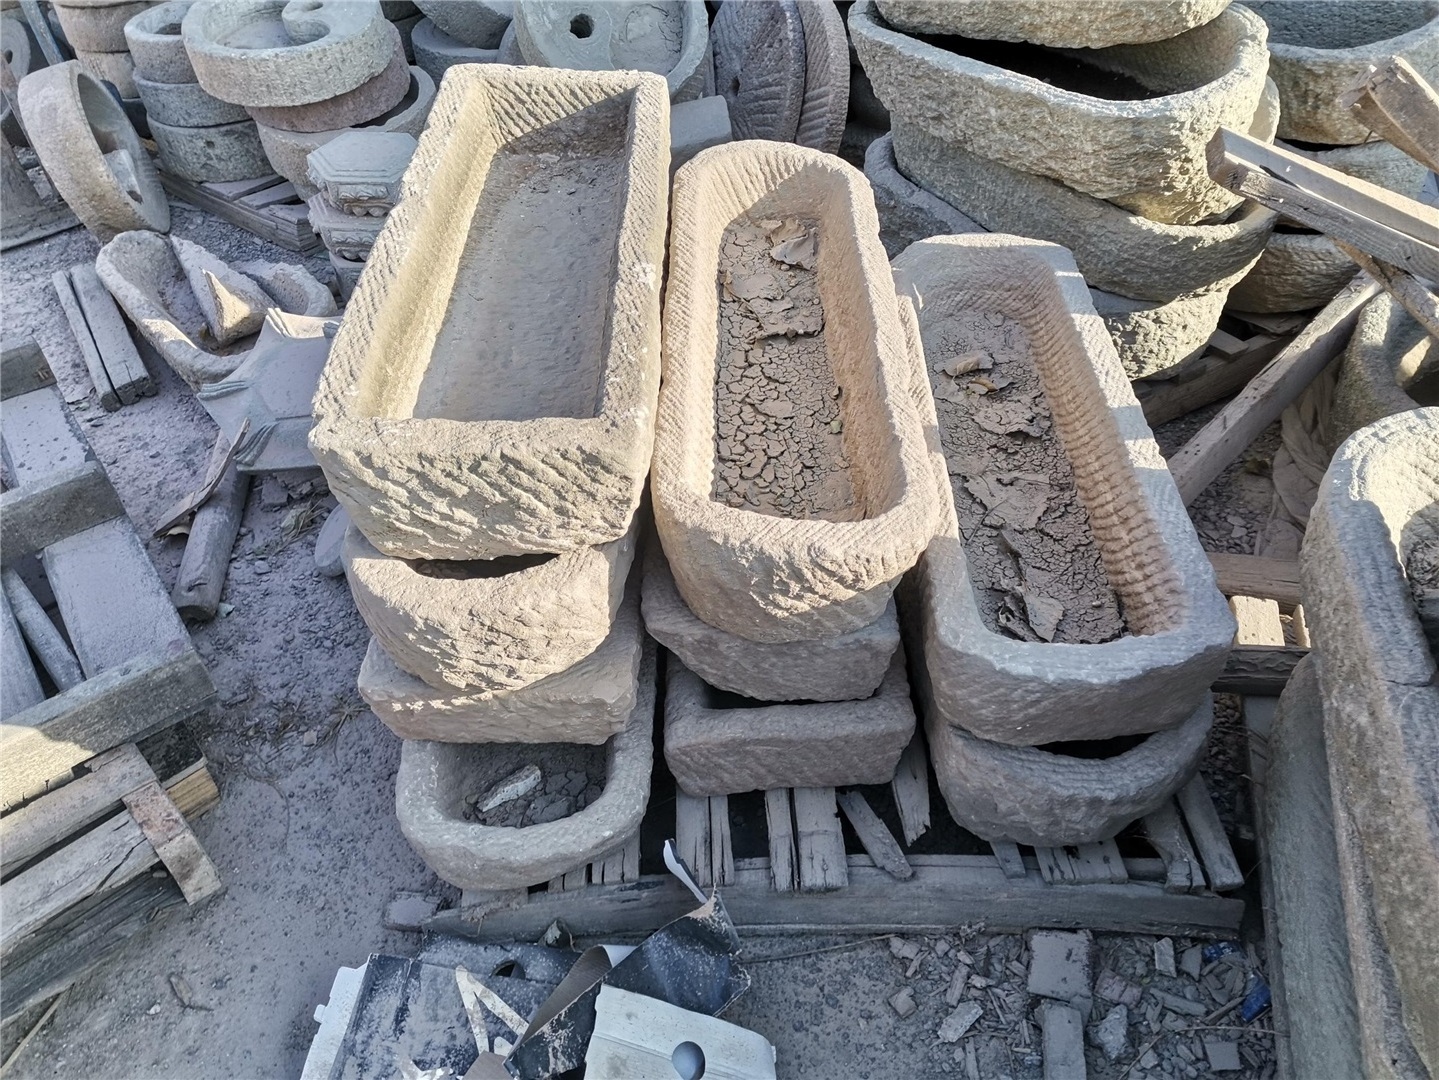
<point x="825" y="393"/>
<point x="434" y="779"/>
<point x="492" y="390"/>
<point x="1175" y="632"/>
<point x="1389" y="366"/>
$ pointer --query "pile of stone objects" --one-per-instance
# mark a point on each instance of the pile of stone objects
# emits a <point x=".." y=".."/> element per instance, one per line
<point x="95" y="32"/>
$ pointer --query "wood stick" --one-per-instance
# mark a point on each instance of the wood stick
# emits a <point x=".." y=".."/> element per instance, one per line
<point x="94" y="364"/>
<point x="1399" y="107"/>
<point x="44" y="637"/>
<point x="1164" y="400"/>
<point x="1415" y="297"/>
<point x="781" y="839"/>
<point x="20" y="689"/>
<point x="822" y="863"/>
<point x="214" y="474"/>
<point x="1219" y="442"/>
<point x="25" y="1040"/>
<point x="212" y="537"/>
<point x="1254" y="575"/>
<point x="879" y="843"/>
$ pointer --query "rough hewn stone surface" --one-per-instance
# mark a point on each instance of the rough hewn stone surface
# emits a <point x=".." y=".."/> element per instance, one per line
<point x="435" y="777"/>
<point x="1388" y="355"/>
<point x="507" y="624"/>
<point x="1116" y="251"/>
<point x="222" y="152"/>
<point x="436" y="52"/>
<point x="1298" y="271"/>
<point x="149" y="282"/>
<point x="1028" y="795"/>
<point x="1179" y="628"/>
<point x="836" y="669"/>
<point x="156" y="45"/>
<point x="278" y="52"/>
<point x="716" y="745"/>
<point x="826" y="76"/>
<point x="186" y="105"/>
<point x="1373" y="536"/>
<point x="1091" y="25"/>
<point x="289" y="151"/>
<point x="477" y="23"/>
<point x="1146" y="155"/>
<point x="667" y="37"/>
<point x="1152" y="339"/>
<point x="1378" y="162"/>
<point x="761" y="576"/>
<point x="98" y="27"/>
<point x="22" y="56"/>
<point x="1320" y="51"/>
<point x="115" y="68"/>
<point x="72" y="120"/>
<point x="907" y="212"/>
<point x="585" y="703"/>
<point x="370" y="99"/>
<point x="541" y="440"/>
<point x="360" y="171"/>
<point x="759" y="65"/>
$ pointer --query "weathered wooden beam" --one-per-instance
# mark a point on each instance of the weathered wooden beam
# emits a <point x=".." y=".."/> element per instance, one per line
<point x="89" y="351"/>
<point x="65" y="502"/>
<point x="126" y="371"/>
<point x="1216" y="378"/>
<point x="1413" y="295"/>
<point x="212" y="537"/>
<point x="1255" y="575"/>
<point x="822" y="865"/>
<point x="781" y="840"/>
<point x="1401" y="108"/>
<point x="879" y="843"/>
<point x="1258" y="669"/>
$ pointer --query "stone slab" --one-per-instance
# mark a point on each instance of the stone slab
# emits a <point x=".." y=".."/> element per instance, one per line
<point x="1060" y="963"/>
<point x="697" y="125"/>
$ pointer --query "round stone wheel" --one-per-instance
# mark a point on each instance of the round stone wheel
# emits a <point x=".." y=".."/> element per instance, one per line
<point x="358" y="106"/>
<point x="477" y="23"/>
<point x="760" y="67"/>
<point x="826" y="76"/>
<point x="115" y="68"/>
<point x="186" y="105"/>
<point x="437" y="52"/>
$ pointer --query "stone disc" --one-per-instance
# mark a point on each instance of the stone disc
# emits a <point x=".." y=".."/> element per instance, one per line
<point x="759" y="66"/>
<point x="826" y="76"/>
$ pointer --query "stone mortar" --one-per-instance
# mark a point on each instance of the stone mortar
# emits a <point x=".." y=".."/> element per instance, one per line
<point x="186" y="105"/>
<point x="437" y="52"/>
<point x="205" y="154"/>
<point x="115" y="68"/>
<point x="98" y="28"/>
<point x="1388" y="352"/>
<point x="1298" y="271"/>
<point x="156" y="45"/>
<point x="1092" y="25"/>
<point x="370" y="99"/>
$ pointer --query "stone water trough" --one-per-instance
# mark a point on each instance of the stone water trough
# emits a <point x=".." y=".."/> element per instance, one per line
<point x="1176" y="628"/>
<point x="769" y="573"/>
<point x="492" y="390"/>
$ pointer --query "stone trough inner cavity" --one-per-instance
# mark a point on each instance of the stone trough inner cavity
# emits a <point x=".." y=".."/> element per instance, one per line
<point x="492" y="391"/>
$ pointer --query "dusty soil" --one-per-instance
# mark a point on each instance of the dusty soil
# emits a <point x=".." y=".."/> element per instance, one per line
<point x="778" y="413"/>
<point x="1032" y="558"/>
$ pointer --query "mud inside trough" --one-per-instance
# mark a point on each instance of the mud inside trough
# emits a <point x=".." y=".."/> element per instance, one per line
<point x="572" y="776"/>
<point x="779" y="410"/>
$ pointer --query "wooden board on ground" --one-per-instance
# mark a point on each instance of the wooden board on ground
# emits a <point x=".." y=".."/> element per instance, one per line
<point x="284" y="222"/>
<point x="126" y="371"/>
<point x="23" y="368"/>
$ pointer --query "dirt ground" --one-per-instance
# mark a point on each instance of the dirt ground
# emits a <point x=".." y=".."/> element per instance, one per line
<point x="305" y="835"/>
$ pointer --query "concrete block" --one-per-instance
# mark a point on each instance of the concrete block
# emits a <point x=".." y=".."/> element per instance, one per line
<point x="289" y="151"/>
<point x="1385" y="369"/>
<point x="722" y="744"/>
<point x="1299" y="270"/>
<point x="488" y="625"/>
<point x="1142" y="149"/>
<point x="1094" y="25"/>
<point x="759" y="65"/>
<point x="186" y="105"/>
<point x="476" y="23"/>
<point x="842" y="668"/>
<point x="156" y="45"/>
<point x="370" y="99"/>
<point x="434" y="778"/>
<point x="1318" y="53"/>
<point x="1117" y="251"/>
<point x="97" y="27"/>
<point x="1142" y="672"/>
<point x="91" y="152"/>
<point x="697" y="125"/>
<point x="274" y="52"/>
<point x="1371" y="547"/>
<point x="492" y="389"/>
<point x="436" y="52"/>
<point x="668" y="37"/>
<point x="817" y="555"/>
<point x="205" y="154"/>
<point x="585" y="703"/>
<point x="350" y="236"/>
<point x="360" y="171"/>
<point x="1060" y="962"/>
<point x="826" y="77"/>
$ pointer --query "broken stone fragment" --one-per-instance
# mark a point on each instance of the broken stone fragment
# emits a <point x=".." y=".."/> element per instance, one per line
<point x="233" y="305"/>
<point x="515" y="786"/>
<point x="1059" y="966"/>
<point x="957" y="1024"/>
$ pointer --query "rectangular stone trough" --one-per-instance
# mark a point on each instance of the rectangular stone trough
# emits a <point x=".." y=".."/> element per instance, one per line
<point x="1079" y="604"/>
<point x="789" y="481"/>
<point x="435" y="779"/>
<point x="718" y="743"/>
<point x="492" y="390"/>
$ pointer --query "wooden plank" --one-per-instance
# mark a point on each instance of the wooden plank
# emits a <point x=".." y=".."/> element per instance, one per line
<point x="1099" y="863"/>
<point x="1413" y="296"/>
<point x="45" y="639"/>
<point x="781" y="840"/>
<point x="1227" y="345"/>
<point x="820" y="841"/>
<point x="1216" y="378"/>
<point x="231" y="190"/>
<point x="1400" y="107"/>
<point x="127" y="372"/>
<point x="52" y="50"/>
<point x="1383" y="223"/>
<point x="175" y="843"/>
<point x="23" y="368"/>
<point x="1009" y="858"/>
<point x="47" y="821"/>
<point x="1055" y="866"/>
<point x="67" y="501"/>
<point x="124" y="704"/>
<point x="89" y="351"/>
<point x="874" y="836"/>
<point x="20" y="688"/>
<point x="1196" y="464"/>
<point x="212" y="537"/>
<point x="184" y="508"/>
<point x="1254" y="575"/>
<point x="910" y="788"/>
<point x="620" y="865"/>
<point x="577" y="878"/>
<point x="721" y="846"/>
<point x="692" y="836"/>
<point x="287" y="233"/>
<point x="1258" y="669"/>
<point x="1166" y="832"/>
<point x="280" y="193"/>
<point x="1205" y="829"/>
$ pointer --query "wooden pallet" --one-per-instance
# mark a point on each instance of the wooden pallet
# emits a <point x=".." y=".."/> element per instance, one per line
<point x="810" y="882"/>
<point x="267" y="206"/>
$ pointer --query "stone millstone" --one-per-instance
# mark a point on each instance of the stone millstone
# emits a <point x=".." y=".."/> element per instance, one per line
<point x="826" y="76"/>
<point x="719" y="746"/>
<point x="1372" y="542"/>
<point x="759" y="60"/>
<point x="98" y="27"/>
<point x="477" y="23"/>
<point x="1091" y="25"/>
<point x="282" y="52"/>
<point x="186" y="105"/>
<point x="667" y="37"/>
<point x="205" y="154"/>
<point x="437" y="52"/>
<point x="22" y="56"/>
<point x="1389" y="357"/>
<point x="434" y="778"/>
<point x="156" y="45"/>
<point x="359" y="106"/>
<point x="71" y="118"/>
<point x="115" y="68"/>
<point x="843" y="668"/>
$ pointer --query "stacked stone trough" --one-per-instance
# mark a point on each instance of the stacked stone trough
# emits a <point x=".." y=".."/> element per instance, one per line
<point x="95" y="30"/>
<point x="1084" y="125"/>
<point x="493" y="497"/>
